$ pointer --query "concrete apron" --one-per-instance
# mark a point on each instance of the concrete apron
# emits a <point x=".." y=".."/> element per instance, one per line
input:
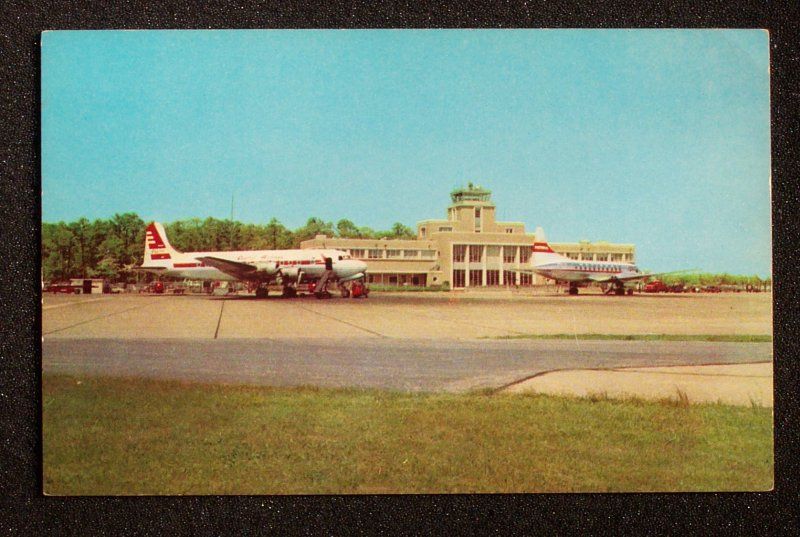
<point x="740" y="384"/>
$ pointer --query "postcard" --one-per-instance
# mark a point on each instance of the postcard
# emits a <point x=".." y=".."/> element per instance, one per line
<point x="406" y="261"/>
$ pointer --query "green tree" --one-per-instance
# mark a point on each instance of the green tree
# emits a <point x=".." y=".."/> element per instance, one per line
<point x="60" y="246"/>
<point x="399" y="231"/>
<point x="277" y="236"/>
<point x="367" y="233"/>
<point x="347" y="229"/>
<point x="315" y="226"/>
<point x="129" y="229"/>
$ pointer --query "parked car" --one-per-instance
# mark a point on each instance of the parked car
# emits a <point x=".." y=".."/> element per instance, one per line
<point x="677" y="288"/>
<point x="154" y="287"/>
<point x="712" y="289"/>
<point x="656" y="286"/>
<point x="59" y="287"/>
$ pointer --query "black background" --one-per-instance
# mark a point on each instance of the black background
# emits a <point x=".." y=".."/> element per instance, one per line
<point x="24" y="510"/>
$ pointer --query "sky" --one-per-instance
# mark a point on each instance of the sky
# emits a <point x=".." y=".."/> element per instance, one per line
<point x="660" y="138"/>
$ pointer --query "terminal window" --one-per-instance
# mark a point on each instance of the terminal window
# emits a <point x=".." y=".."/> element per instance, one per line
<point x="475" y="253"/>
<point x="525" y="279"/>
<point x="492" y="277"/>
<point x="375" y="254"/>
<point x="430" y="254"/>
<point x="524" y="255"/>
<point x="509" y="278"/>
<point x="358" y="254"/>
<point x="509" y="254"/>
<point x="476" y="278"/>
<point x="393" y="254"/>
<point x="410" y="253"/>
<point x="458" y="277"/>
<point x="459" y="253"/>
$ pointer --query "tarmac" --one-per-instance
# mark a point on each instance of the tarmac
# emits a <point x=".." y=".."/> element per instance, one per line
<point x="735" y="384"/>
<point x="421" y="341"/>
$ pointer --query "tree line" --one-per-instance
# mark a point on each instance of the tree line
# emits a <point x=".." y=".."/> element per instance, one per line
<point x="702" y="279"/>
<point x="110" y="248"/>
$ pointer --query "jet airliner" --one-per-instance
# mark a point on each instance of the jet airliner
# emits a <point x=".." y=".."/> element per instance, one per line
<point x="260" y="267"/>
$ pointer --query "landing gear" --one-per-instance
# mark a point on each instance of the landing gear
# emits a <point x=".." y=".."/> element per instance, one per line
<point x="289" y="292"/>
<point x="262" y="291"/>
<point x="618" y="288"/>
<point x="322" y="294"/>
<point x="573" y="288"/>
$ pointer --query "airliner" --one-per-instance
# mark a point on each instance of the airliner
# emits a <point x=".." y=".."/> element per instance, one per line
<point x="260" y="267"/>
<point x="545" y="262"/>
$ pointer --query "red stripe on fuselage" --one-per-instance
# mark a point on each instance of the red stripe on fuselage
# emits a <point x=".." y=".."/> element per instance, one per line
<point x="582" y="270"/>
<point x="187" y="265"/>
<point x="542" y="247"/>
<point x="160" y="256"/>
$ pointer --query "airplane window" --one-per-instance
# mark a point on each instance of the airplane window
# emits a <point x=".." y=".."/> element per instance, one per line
<point x="340" y="258"/>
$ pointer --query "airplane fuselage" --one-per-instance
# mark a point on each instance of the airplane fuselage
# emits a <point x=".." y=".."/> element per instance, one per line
<point x="584" y="271"/>
<point x="310" y="263"/>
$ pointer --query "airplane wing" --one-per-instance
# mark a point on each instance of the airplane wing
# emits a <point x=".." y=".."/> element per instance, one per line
<point x="642" y="275"/>
<point x="242" y="271"/>
<point x="600" y="278"/>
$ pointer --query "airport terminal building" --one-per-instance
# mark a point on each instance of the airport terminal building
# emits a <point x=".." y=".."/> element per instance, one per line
<point x="468" y="249"/>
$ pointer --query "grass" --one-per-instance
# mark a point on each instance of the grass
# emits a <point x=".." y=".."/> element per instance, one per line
<point x="732" y="338"/>
<point x="133" y="436"/>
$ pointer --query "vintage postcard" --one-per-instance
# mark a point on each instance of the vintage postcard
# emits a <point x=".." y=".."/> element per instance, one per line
<point x="406" y="261"/>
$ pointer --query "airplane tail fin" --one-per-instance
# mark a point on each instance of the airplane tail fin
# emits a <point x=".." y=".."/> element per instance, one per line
<point x="541" y="252"/>
<point x="157" y="250"/>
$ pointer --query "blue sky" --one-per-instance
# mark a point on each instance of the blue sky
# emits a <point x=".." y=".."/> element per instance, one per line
<point x="654" y="137"/>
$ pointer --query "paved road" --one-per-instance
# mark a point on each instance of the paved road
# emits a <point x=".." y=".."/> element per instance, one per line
<point x="400" y="364"/>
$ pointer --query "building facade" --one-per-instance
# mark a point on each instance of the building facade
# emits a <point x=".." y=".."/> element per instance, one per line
<point x="468" y="249"/>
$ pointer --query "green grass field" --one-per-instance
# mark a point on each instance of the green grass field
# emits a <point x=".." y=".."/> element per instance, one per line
<point x="125" y="436"/>
<point x="732" y="338"/>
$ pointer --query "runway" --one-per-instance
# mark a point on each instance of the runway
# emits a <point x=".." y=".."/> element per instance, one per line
<point x="395" y="364"/>
<point x="411" y="342"/>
